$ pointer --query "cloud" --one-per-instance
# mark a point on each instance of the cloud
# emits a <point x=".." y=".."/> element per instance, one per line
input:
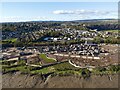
<point x="87" y="14"/>
<point x="82" y="12"/>
<point x="63" y="12"/>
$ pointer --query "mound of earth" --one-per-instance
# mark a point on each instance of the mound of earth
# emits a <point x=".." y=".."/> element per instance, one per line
<point x="18" y="80"/>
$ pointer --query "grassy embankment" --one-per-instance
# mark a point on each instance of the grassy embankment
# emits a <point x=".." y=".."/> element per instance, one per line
<point x="63" y="69"/>
<point x="11" y="40"/>
<point x="47" y="59"/>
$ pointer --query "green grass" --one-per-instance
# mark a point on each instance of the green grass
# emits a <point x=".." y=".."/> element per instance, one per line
<point x="38" y="63"/>
<point x="59" y="69"/>
<point x="46" y="59"/>
<point x="43" y="71"/>
<point x="109" y="70"/>
<point x="111" y="30"/>
<point x="67" y="73"/>
<point x="64" y="66"/>
<point x="62" y="69"/>
<point x="11" y="40"/>
<point x="18" y="68"/>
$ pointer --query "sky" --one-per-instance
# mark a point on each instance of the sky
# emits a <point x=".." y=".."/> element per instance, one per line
<point x="60" y="0"/>
<point x="59" y="11"/>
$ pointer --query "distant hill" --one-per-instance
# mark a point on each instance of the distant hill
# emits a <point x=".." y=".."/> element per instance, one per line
<point x="83" y="21"/>
<point x="94" y="20"/>
<point x="99" y="24"/>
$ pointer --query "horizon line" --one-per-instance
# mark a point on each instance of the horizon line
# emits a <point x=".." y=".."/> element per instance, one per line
<point x="58" y="20"/>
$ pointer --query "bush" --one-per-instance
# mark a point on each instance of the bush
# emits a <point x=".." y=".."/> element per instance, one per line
<point x="21" y="62"/>
<point x="85" y="73"/>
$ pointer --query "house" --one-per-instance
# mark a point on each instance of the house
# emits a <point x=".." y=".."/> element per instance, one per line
<point x="31" y="59"/>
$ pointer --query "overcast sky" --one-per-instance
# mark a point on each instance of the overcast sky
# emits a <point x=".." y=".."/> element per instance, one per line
<point x="60" y="11"/>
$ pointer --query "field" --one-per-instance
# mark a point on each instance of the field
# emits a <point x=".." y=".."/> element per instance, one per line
<point x="59" y="69"/>
<point x="11" y="40"/>
<point x="46" y="59"/>
<point x="112" y="30"/>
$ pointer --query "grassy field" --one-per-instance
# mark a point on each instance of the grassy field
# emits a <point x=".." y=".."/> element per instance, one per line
<point x="111" y="30"/>
<point x="43" y="70"/>
<point x="64" y="66"/>
<point x="46" y="59"/>
<point x="18" y="68"/>
<point x="11" y="40"/>
<point x="61" y="69"/>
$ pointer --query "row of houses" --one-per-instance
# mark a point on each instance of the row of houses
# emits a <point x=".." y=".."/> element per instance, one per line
<point x="78" y="49"/>
<point x="79" y="54"/>
<point x="15" y="54"/>
<point x="71" y="34"/>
